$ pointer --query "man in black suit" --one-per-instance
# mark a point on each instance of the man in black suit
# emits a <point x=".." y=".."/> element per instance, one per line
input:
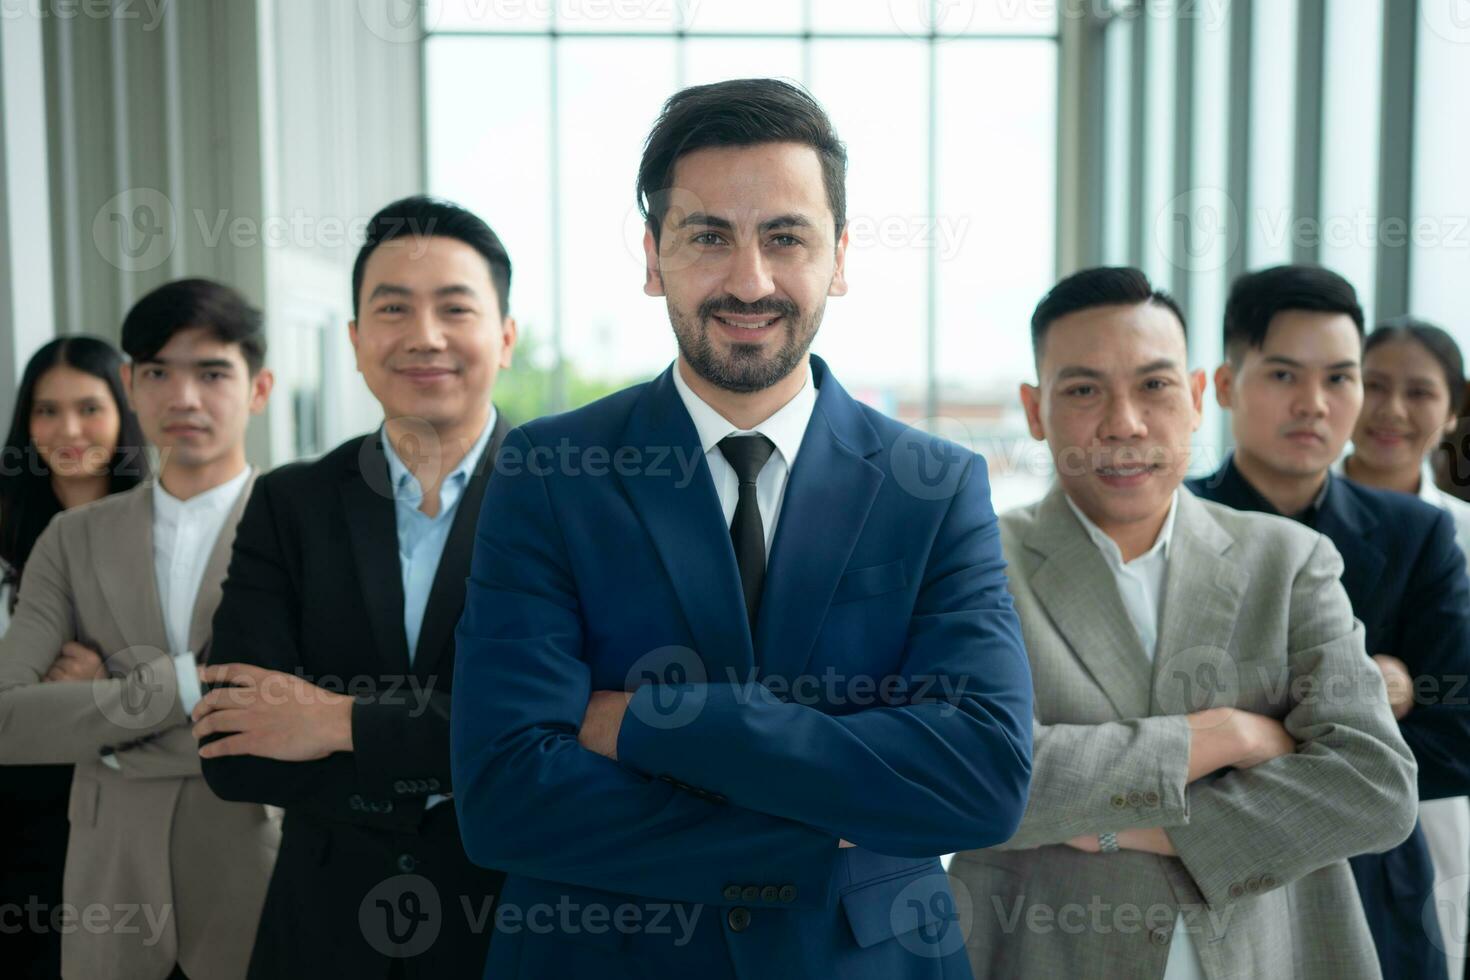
<point x="1292" y="380"/>
<point x="334" y="641"/>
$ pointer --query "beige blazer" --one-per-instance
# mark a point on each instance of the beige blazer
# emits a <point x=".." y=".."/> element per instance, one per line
<point x="166" y="871"/>
<point x="1254" y="616"/>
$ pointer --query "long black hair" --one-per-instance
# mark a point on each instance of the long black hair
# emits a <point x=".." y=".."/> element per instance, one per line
<point x="27" y="500"/>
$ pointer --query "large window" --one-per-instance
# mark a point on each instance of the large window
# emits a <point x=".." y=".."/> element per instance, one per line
<point x="536" y="112"/>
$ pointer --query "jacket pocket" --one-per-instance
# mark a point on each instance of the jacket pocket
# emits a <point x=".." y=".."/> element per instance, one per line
<point x="861" y="583"/>
<point x="890" y="907"/>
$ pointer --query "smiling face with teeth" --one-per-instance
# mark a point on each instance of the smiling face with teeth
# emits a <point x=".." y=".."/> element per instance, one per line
<point x="1117" y="407"/>
<point x="746" y="258"/>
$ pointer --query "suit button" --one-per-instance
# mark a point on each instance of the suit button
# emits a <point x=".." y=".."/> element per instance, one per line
<point x="1159" y="937"/>
<point x="732" y="893"/>
<point x="1236" y="890"/>
<point x="787" y="893"/>
<point x="1119" y="802"/>
<point x="434" y="785"/>
<point x="769" y="893"/>
<point x="407" y="862"/>
<point x="1253" y="885"/>
<point x="750" y="893"/>
<point x="1135" y="798"/>
<point x="1151" y="798"/>
<point x="399" y="786"/>
<point x="739" y="918"/>
<point x="1268" y="882"/>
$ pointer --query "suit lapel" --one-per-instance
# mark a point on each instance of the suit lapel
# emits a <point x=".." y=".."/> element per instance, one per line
<point x="1351" y="527"/>
<point x="1076" y="587"/>
<point x="201" y="619"/>
<point x="687" y="525"/>
<point x="127" y="544"/>
<point x="1193" y="668"/>
<point x="367" y="505"/>
<point x="828" y="495"/>
<point x="446" y="596"/>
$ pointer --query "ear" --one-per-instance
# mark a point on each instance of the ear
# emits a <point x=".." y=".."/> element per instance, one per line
<point x="353" y="336"/>
<point x="653" y="279"/>
<point x="508" y="334"/>
<point x="1031" y="402"/>
<point x="1197" y="384"/>
<point x="1224" y="385"/>
<point x="125" y="372"/>
<point x="260" y="390"/>
<point x="839" y="272"/>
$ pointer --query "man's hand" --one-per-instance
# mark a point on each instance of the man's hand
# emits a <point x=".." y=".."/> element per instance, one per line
<point x="76" y="662"/>
<point x="603" y="721"/>
<point x="1400" y="684"/>
<point x="270" y="714"/>
<point x="1221" y="737"/>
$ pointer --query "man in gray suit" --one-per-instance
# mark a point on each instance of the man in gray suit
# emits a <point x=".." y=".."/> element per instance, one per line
<point x="1212" y="742"/>
<point x="98" y="668"/>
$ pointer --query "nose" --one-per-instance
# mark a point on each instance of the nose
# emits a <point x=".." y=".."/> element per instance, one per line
<point x="71" y="424"/>
<point x="425" y="332"/>
<point x="183" y="393"/>
<point x="749" y="276"/>
<point x="1122" y="421"/>
<point x="1311" y="402"/>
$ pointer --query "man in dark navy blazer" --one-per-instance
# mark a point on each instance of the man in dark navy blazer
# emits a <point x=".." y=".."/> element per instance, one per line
<point x="1293" y="342"/>
<point x="692" y="761"/>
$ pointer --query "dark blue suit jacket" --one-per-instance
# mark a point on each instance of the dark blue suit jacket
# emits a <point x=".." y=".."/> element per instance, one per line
<point x="710" y="848"/>
<point x="1406" y="578"/>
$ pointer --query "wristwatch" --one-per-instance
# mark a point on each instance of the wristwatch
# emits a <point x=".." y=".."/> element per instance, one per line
<point x="1108" y="842"/>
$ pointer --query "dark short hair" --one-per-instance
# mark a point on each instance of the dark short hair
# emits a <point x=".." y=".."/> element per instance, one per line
<point x="1257" y="297"/>
<point x="1102" y="286"/>
<point x="185" y="304"/>
<point x="1438" y="342"/>
<point x="739" y="112"/>
<point x="431" y="217"/>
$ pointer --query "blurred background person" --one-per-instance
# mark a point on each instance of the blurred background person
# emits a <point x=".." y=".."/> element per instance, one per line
<point x="73" y="439"/>
<point x="1413" y="387"/>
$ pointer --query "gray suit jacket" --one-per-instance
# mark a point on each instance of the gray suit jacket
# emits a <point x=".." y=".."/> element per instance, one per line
<point x="171" y="872"/>
<point x="1254" y="616"/>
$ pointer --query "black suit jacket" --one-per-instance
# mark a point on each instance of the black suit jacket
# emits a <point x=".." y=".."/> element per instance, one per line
<point x="366" y="873"/>
<point x="1405" y="576"/>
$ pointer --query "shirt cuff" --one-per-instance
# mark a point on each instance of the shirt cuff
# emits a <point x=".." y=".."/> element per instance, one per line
<point x="186" y="669"/>
<point x="109" y="759"/>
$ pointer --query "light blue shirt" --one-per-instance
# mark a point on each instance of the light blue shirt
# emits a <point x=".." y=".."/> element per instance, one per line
<point x="421" y="538"/>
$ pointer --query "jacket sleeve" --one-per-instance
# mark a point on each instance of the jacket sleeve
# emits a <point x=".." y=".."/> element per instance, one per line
<point x="1435" y="646"/>
<point x="531" y="800"/>
<point x="1147" y="758"/>
<point x="400" y="740"/>
<point x="1347" y="789"/>
<point x="941" y="765"/>
<point x="72" y="721"/>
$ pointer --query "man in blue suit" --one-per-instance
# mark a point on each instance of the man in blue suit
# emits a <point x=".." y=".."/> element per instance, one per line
<point x="692" y="760"/>
<point x="1292" y="380"/>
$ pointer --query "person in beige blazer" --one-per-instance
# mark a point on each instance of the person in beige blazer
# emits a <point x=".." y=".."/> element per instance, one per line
<point x="1212" y="742"/>
<point x="99" y="666"/>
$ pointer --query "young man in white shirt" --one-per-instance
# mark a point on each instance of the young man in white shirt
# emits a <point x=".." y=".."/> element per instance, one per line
<point x="100" y="665"/>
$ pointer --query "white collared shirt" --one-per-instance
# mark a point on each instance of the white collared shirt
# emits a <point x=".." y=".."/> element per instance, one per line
<point x="184" y="535"/>
<point x="785" y="428"/>
<point x="1141" y="587"/>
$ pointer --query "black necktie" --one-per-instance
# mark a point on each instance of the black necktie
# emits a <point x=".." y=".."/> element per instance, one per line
<point x="746" y="455"/>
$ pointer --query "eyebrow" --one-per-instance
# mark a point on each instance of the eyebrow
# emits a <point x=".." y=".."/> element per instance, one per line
<point x="1288" y="362"/>
<point x="396" y="289"/>
<point x="703" y="219"/>
<point x="1422" y="379"/>
<point x="1080" y="371"/>
<point x="204" y="362"/>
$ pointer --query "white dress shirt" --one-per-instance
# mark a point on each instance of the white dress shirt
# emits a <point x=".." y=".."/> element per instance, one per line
<point x="184" y="534"/>
<point x="785" y="429"/>
<point x="1141" y="587"/>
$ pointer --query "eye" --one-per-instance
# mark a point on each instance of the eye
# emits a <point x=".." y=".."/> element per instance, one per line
<point x="1420" y="394"/>
<point x="44" y="410"/>
<point x="1080" y="391"/>
<point x="153" y="373"/>
<point x="214" y="375"/>
<point x="1280" y="374"/>
<point x="1156" y="384"/>
<point x="1340" y="379"/>
<point x="91" y="409"/>
<point x="786" y="241"/>
<point x="390" y="309"/>
<point x="1373" y="386"/>
<point x="706" y="238"/>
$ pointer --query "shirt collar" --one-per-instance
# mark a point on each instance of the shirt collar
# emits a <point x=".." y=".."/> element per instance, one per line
<point x="406" y="486"/>
<point x="1109" y="547"/>
<point x="785" y="428"/>
<point x="217" y="499"/>
<point x="1308" y="515"/>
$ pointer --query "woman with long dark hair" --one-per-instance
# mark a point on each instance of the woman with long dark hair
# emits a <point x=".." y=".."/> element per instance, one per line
<point x="73" y="439"/>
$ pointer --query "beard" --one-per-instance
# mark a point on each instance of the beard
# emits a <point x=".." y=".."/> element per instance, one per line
<point x="746" y="367"/>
